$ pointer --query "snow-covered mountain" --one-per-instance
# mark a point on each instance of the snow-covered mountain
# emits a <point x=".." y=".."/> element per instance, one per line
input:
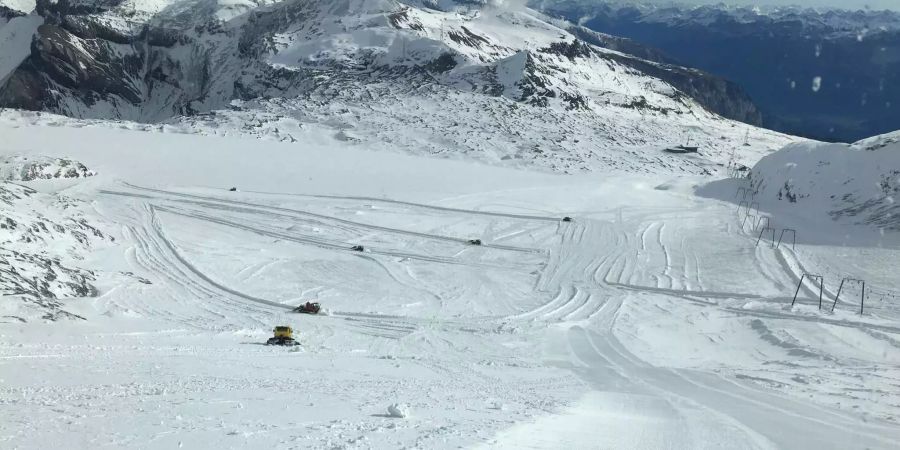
<point x="823" y="73"/>
<point x="494" y="82"/>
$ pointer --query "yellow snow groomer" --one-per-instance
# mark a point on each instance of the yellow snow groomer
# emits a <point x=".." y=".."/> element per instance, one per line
<point x="284" y="335"/>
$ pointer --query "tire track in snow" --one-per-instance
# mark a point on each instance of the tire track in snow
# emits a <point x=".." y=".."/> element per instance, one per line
<point x="333" y="245"/>
<point x="815" y="319"/>
<point x="592" y="306"/>
<point x="374" y="325"/>
<point x="211" y="202"/>
<point x="367" y="325"/>
<point x="758" y="411"/>
<point x="685" y="292"/>
<point x="410" y="204"/>
<point x="160" y="262"/>
<point x="587" y="248"/>
<point x="196" y="272"/>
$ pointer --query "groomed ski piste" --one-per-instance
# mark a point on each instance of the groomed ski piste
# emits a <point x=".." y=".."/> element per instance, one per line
<point x="653" y="319"/>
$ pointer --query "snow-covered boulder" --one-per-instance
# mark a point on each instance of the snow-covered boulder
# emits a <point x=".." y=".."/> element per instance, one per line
<point x="398" y="410"/>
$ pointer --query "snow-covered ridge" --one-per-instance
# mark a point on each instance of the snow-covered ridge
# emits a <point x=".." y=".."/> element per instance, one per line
<point x="23" y="168"/>
<point x="855" y="184"/>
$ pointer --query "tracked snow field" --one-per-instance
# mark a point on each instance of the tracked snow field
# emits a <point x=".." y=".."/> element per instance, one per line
<point x="653" y="319"/>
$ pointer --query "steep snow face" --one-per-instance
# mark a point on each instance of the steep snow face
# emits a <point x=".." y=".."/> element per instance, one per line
<point x="442" y="79"/>
<point x="855" y="184"/>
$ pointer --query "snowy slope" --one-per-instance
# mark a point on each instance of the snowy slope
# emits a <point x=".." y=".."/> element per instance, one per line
<point x="652" y="320"/>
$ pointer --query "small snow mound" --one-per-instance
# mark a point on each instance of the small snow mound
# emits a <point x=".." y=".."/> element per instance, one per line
<point x="498" y="406"/>
<point x="398" y="410"/>
<point x="24" y="168"/>
<point x="753" y="305"/>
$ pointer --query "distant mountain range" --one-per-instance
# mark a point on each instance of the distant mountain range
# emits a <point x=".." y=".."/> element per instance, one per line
<point x="827" y="74"/>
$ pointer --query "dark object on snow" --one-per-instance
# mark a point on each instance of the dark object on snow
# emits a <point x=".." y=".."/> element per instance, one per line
<point x="234" y="189"/>
<point x="358" y="248"/>
<point x="308" y="308"/>
<point x="475" y="241"/>
<point x="683" y="149"/>
<point x="567" y="219"/>
<point x="283" y="336"/>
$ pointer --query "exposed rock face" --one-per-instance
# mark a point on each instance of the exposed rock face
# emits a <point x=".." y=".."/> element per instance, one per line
<point x="90" y="62"/>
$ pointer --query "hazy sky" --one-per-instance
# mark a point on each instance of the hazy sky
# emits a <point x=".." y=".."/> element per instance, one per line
<point x="845" y="4"/>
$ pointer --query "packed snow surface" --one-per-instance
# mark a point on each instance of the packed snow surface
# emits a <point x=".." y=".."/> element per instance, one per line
<point x="652" y="319"/>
